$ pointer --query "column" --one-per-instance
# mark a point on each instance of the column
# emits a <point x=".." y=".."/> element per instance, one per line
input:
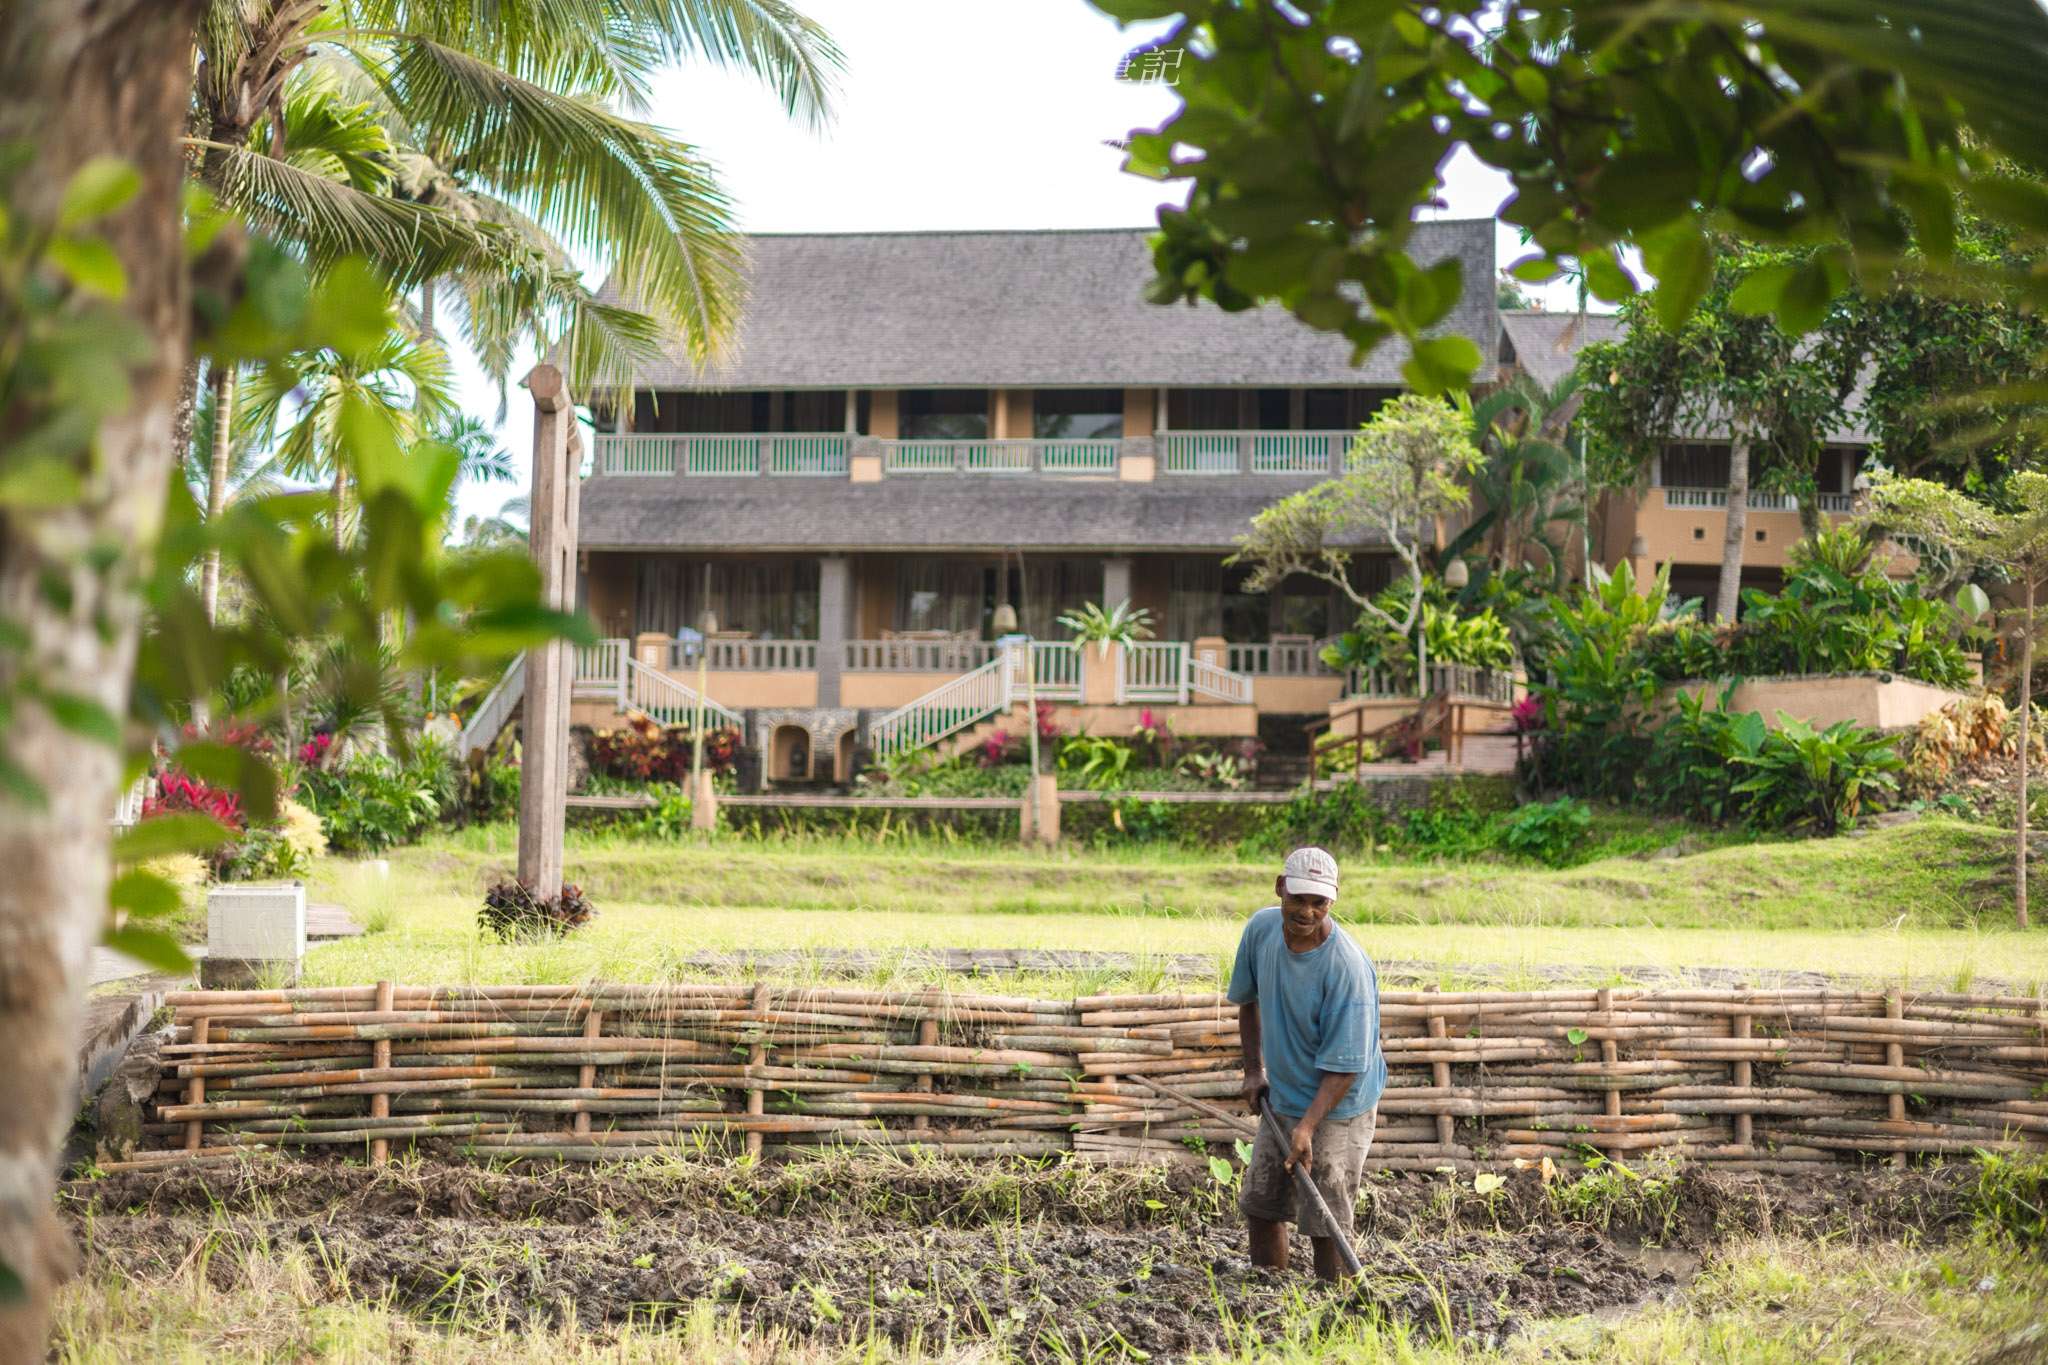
<point x="835" y="610"/>
<point x="1116" y="580"/>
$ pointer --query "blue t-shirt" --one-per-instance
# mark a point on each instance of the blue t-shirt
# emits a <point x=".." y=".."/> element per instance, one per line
<point x="1318" y="1011"/>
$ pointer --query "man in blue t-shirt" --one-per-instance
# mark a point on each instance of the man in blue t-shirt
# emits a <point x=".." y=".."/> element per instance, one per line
<point x="1309" y="1020"/>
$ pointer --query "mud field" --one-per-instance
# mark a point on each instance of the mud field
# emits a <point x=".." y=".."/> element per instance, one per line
<point x="1051" y="1263"/>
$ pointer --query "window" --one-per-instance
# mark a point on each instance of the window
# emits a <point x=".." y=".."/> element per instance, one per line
<point x="771" y="600"/>
<point x="945" y="414"/>
<point x="1339" y="409"/>
<point x="1302" y="607"/>
<point x="1272" y="410"/>
<point x="1204" y="410"/>
<point x="1194" y="599"/>
<point x="1694" y="464"/>
<point x="815" y="410"/>
<point x="942" y="594"/>
<point x="1077" y="414"/>
<point x="1054" y="587"/>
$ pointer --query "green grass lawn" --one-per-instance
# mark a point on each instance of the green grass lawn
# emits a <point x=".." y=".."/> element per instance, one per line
<point x="1926" y="901"/>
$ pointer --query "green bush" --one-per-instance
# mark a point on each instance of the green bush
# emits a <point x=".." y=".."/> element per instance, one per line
<point x="373" y="802"/>
<point x="1549" y="832"/>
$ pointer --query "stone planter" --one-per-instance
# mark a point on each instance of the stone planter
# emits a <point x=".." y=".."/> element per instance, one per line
<point x="253" y="934"/>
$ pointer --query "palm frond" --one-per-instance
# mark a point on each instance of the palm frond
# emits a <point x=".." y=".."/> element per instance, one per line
<point x="794" y="55"/>
<point x="597" y="182"/>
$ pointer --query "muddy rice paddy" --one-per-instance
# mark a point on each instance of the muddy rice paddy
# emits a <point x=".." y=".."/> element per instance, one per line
<point x="1045" y="1263"/>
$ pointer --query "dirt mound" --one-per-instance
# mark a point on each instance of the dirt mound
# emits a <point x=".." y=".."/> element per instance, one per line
<point x="1051" y="1262"/>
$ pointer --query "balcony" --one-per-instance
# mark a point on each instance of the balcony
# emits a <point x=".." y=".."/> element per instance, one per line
<point x="834" y="455"/>
<point x="1716" y="499"/>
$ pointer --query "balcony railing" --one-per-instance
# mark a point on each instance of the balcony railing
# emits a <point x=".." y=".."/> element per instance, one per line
<point x="1453" y="680"/>
<point x="917" y="656"/>
<point x="1253" y="452"/>
<point x="819" y="453"/>
<point x="1002" y="457"/>
<point x="1278" y="659"/>
<point x="746" y="656"/>
<point x="1705" y="498"/>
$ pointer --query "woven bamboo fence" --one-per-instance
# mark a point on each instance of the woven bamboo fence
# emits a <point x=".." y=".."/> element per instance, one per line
<point x="1765" y="1079"/>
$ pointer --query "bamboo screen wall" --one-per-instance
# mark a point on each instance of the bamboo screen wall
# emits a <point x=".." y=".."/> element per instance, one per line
<point x="1745" y="1079"/>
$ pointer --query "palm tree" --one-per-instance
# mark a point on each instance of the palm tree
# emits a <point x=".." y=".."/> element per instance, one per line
<point x="477" y="146"/>
<point x="480" y="459"/>
<point x="222" y="466"/>
<point x="1528" y="480"/>
<point x="390" y="394"/>
<point x="506" y="527"/>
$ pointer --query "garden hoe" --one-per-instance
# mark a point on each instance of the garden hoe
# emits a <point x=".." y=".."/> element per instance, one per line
<point x="1303" y="1184"/>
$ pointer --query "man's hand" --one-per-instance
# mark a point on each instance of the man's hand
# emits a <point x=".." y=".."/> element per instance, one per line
<point x="1301" y="1152"/>
<point x="1254" y="1087"/>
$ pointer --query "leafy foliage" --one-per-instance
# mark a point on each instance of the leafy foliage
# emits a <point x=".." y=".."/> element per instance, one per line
<point x="646" y="751"/>
<point x="370" y="802"/>
<point x="1122" y="624"/>
<point x="512" y="913"/>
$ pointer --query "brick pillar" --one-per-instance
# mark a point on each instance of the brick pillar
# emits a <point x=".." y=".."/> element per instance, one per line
<point x="835" y="616"/>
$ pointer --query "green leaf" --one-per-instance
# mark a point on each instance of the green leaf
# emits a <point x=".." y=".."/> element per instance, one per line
<point x="1972" y="602"/>
<point x="1804" y="301"/>
<point x="1441" y="363"/>
<point x="83" y="716"/>
<point x="44" y="482"/>
<point x="151" y="947"/>
<point x="1682" y="259"/>
<point x="184" y="832"/>
<point x="1535" y="270"/>
<point x="1530" y="84"/>
<point x="1575" y="1036"/>
<point x="1748" y="731"/>
<point x="1606" y="278"/>
<point x="1757" y="295"/>
<point x="97" y="188"/>
<point x="145" y="895"/>
<point x="90" y="264"/>
<point x="1486" y="1182"/>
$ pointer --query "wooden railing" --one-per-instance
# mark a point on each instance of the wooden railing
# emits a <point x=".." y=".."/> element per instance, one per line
<point x="724" y="456"/>
<point x="1098" y="456"/>
<point x="749" y="656"/>
<point x="1698" y="499"/>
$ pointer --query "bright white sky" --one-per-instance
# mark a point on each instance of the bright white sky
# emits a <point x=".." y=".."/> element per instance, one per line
<point x="951" y="114"/>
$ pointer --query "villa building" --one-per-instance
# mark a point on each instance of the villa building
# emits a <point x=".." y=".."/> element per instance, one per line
<point x="920" y="442"/>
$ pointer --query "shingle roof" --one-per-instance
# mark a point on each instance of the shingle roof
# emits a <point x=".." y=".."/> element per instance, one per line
<point x="951" y="512"/>
<point x="1547" y="344"/>
<point x="1033" y="308"/>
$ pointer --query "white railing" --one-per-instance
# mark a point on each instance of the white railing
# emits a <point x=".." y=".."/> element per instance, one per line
<point x="817" y="455"/>
<point x="1698" y="498"/>
<point x="1837" y="502"/>
<point x="917" y="656"/>
<point x="601" y="670"/>
<point x="1278" y="658"/>
<point x="1096" y="456"/>
<point x="723" y="456"/>
<point x="1453" y="680"/>
<point x="1056" y="665"/>
<point x="128" y="806"/>
<point x="1253" y="452"/>
<point x="662" y="698"/>
<point x="1209" y="680"/>
<point x="748" y="656"/>
<point x="1156" y="671"/>
<point x="944" y="710"/>
<point x="955" y="457"/>
<point x="481" y="730"/>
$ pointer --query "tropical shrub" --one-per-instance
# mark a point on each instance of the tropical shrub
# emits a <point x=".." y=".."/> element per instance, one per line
<point x="371" y="802"/>
<point x="1808" y="779"/>
<point x="1549" y="832"/>
<point x="644" y="750"/>
<point x="1964" y="734"/>
<point x="513" y="913"/>
<point x="1122" y="624"/>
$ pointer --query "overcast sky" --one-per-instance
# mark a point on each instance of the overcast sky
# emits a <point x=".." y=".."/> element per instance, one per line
<point x="950" y="114"/>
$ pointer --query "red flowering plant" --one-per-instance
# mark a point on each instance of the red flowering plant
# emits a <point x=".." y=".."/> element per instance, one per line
<point x="645" y="751"/>
<point x="1528" y="715"/>
<point x="1154" y="740"/>
<point x="314" y="751"/>
<point x="998" y="748"/>
<point x="178" y="792"/>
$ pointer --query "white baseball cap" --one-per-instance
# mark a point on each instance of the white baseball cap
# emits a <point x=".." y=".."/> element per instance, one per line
<point x="1311" y="872"/>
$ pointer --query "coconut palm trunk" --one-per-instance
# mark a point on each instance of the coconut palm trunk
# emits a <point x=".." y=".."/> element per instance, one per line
<point x="222" y="382"/>
<point x="2019" y="862"/>
<point x="79" y="81"/>
<point x="1729" y="594"/>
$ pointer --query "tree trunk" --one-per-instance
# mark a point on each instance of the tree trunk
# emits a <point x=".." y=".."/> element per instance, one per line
<point x="79" y="78"/>
<point x="2019" y="861"/>
<point x="1729" y="596"/>
<point x="222" y="381"/>
<point x="340" y="502"/>
<point x="427" y="308"/>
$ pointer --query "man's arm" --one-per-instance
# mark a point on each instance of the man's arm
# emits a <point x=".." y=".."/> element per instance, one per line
<point x="1254" y="1060"/>
<point x="1334" y="1087"/>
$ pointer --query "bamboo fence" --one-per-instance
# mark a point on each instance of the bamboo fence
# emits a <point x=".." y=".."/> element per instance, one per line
<point x="1744" y="1079"/>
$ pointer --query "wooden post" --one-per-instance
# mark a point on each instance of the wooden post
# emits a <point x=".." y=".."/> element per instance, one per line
<point x="1038" y="814"/>
<point x="586" y="1075"/>
<point x="1895" y="1058"/>
<point x="1440" y="1077"/>
<point x="1745" y="1122"/>
<point x="380" y="1059"/>
<point x="703" y="803"/>
<point x="195" y="1089"/>
<point x="544" y="778"/>
<point x="757" y="1057"/>
<point x="927" y="1036"/>
<point x="1610" y="1052"/>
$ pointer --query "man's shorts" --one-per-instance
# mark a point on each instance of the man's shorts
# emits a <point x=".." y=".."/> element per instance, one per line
<point x="1338" y="1163"/>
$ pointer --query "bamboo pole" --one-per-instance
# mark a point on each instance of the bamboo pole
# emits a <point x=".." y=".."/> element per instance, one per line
<point x="195" y="1091"/>
<point x="380" y="1060"/>
<point x="757" y="1056"/>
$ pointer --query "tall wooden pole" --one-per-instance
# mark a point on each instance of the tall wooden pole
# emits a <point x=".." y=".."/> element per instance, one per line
<point x="544" y="772"/>
<point x="2019" y="875"/>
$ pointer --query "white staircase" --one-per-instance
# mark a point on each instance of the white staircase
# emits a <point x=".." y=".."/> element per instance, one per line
<point x="604" y="671"/>
<point x="946" y="709"/>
